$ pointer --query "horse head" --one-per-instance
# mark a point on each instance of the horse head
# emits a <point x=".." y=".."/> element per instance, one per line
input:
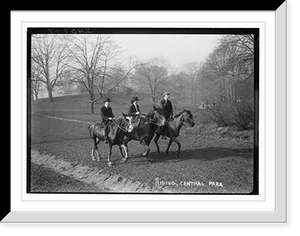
<point x="188" y="118"/>
<point x="128" y="120"/>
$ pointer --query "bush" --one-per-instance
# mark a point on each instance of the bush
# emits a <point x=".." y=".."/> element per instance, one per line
<point x="243" y="115"/>
<point x="238" y="114"/>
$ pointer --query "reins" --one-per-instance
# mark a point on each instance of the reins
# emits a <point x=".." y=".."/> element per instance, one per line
<point x="151" y="121"/>
<point x="182" y="120"/>
<point x="120" y="127"/>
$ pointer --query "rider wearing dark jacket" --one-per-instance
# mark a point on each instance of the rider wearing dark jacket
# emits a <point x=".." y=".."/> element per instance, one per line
<point x="167" y="111"/>
<point x="134" y="109"/>
<point x="106" y="116"/>
<point x="166" y="106"/>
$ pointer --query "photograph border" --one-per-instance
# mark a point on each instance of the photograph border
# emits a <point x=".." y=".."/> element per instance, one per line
<point x="176" y="215"/>
<point x="153" y="32"/>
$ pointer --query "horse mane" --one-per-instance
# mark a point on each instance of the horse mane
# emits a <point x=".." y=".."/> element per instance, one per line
<point x="179" y="114"/>
<point x="120" y="120"/>
<point x="150" y="114"/>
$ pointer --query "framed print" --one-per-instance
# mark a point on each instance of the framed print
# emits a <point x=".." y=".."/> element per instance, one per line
<point x="195" y="107"/>
<point x="127" y="118"/>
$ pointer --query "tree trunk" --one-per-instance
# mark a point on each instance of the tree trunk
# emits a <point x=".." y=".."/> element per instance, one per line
<point x="50" y="95"/>
<point x="92" y="104"/>
<point x="32" y="99"/>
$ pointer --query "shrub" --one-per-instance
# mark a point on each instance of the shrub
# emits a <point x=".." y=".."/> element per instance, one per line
<point x="238" y="114"/>
<point x="243" y="115"/>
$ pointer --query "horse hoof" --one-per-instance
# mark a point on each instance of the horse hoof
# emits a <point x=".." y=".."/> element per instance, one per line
<point x="124" y="160"/>
<point x="109" y="164"/>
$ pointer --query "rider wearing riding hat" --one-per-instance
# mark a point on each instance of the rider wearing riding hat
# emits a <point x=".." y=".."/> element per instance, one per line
<point x="106" y="116"/>
<point x="167" y="111"/>
<point x="134" y="109"/>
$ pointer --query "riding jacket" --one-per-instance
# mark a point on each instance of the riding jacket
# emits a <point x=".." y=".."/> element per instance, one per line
<point x="167" y="108"/>
<point x="106" y="112"/>
<point x="133" y="110"/>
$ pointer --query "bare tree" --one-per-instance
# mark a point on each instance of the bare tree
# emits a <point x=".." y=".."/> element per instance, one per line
<point x="49" y="57"/>
<point x="177" y="87"/>
<point x="230" y="66"/>
<point x="118" y="76"/>
<point x="94" y="64"/>
<point x="191" y="73"/>
<point x="35" y="82"/>
<point x="85" y="53"/>
<point x="151" y="77"/>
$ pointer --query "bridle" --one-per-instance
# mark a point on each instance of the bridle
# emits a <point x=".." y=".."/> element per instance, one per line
<point x="183" y="120"/>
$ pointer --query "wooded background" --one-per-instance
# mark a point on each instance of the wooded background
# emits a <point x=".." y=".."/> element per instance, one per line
<point x="67" y="64"/>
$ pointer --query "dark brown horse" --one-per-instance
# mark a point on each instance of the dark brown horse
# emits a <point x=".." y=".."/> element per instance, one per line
<point x="144" y="129"/>
<point x="116" y="132"/>
<point x="184" y="117"/>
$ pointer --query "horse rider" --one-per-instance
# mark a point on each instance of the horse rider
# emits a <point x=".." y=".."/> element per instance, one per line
<point x="106" y="117"/>
<point x="134" y="110"/>
<point x="167" y="112"/>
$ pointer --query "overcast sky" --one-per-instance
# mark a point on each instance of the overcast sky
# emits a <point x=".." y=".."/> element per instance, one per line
<point x="176" y="49"/>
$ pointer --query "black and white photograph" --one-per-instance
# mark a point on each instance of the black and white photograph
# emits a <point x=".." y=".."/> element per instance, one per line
<point x="151" y="117"/>
<point x="142" y="111"/>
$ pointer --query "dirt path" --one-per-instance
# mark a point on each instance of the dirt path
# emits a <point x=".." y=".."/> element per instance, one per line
<point x="49" y="174"/>
<point x="207" y="164"/>
<point x="46" y="180"/>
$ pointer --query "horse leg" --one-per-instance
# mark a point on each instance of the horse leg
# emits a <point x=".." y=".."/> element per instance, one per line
<point x="170" y="142"/>
<point x="93" y="150"/>
<point x="179" y="146"/>
<point x="97" y="141"/>
<point x="125" y="148"/>
<point x="146" y="147"/>
<point x="121" y="151"/>
<point x="156" y="144"/>
<point x="95" y="147"/>
<point x="109" y="155"/>
<point x="126" y="141"/>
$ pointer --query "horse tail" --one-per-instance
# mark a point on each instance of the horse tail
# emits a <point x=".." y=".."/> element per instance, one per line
<point x="90" y="129"/>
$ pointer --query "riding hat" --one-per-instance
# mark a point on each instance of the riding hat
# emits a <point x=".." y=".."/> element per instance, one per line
<point x="134" y="99"/>
<point x="106" y="100"/>
<point x="166" y="93"/>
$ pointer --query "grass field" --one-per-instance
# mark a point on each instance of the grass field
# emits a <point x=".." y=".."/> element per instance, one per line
<point x="213" y="159"/>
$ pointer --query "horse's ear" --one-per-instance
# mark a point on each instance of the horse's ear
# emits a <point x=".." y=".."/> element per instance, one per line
<point x="155" y="108"/>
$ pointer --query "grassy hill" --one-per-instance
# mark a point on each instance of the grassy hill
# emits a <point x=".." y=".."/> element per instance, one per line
<point x="78" y="106"/>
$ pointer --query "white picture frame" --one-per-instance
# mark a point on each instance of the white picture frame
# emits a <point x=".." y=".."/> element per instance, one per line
<point x="269" y="206"/>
